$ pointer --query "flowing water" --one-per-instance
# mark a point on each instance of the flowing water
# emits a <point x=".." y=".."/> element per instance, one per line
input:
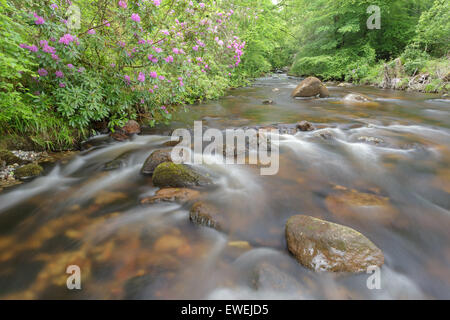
<point x="382" y="168"/>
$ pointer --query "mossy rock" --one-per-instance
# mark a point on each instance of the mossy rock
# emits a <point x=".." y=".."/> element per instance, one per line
<point x="169" y="174"/>
<point x="28" y="171"/>
<point x="9" y="158"/>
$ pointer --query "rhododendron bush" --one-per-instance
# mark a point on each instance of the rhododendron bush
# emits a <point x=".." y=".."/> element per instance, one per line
<point x="117" y="60"/>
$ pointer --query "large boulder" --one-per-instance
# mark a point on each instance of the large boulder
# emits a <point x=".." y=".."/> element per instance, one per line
<point x="325" y="246"/>
<point x="129" y="129"/>
<point x="169" y="174"/>
<point x="310" y="87"/>
<point x="155" y="159"/>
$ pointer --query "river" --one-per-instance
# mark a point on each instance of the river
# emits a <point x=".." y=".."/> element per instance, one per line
<point x="382" y="168"/>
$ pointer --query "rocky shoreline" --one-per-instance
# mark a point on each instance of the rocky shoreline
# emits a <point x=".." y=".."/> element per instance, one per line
<point x="19" y="166"/>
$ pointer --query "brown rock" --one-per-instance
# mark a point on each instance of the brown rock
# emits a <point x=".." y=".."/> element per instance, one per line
<point x="205" y="214"/>
<point x="323" y="91"/>
<point x="352" y="204"/>
<point x="173" y="195"/>
<point x="357" y="97"/>
<point x="108" y="197"/>
<point x="156" y="158"/>
<point x="130" y="128"/>
<point x="325" y="246"/>
<point x="310" y="87"/>
<point x="304" y="126"/>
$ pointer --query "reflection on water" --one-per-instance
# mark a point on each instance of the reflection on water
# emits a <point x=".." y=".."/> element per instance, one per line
<point x="383" y="169"/>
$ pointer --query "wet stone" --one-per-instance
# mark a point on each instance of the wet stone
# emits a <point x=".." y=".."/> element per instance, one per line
<point x="205" y="214"/>
<point x="181" y="195"/>
<point x="304" y="126"/>
<point x="155" y="159"/>
<point x="174" y="175"/>
<point x="325" y="246"/>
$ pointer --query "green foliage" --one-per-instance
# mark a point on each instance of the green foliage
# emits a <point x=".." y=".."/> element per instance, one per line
<point x="335" y="43"/>
<point x="433" y="29"/>
<point x="265" y="33"/>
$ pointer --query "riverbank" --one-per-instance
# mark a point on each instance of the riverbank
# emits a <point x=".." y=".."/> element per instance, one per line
<point x="432" y="77"/>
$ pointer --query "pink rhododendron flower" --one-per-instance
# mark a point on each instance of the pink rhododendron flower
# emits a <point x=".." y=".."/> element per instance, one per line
<point x="32" y="48"/>
<point x="195" y="48"/>
<point x="201" y="5"/>
<point x="70" y="66"/>
<point x="66" y="39"/>
<point x="59" y="74"/>
<point x="156" y="2"/>
<point x="153" y="74"/>
<point x="91" y="31"/>
<point x="62" y="85"/>
<point x="122" y="4"/>
<point x="141" y="77"/>
<point x="135" y="17"/>
<point x="39" y="20"/>
<point x="169" y="59"/>
<point x="42" y="72"/>
<point x="127" y="78"/>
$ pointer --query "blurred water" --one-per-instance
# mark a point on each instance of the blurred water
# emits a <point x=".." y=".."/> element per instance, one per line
<point x="396" y="149"/>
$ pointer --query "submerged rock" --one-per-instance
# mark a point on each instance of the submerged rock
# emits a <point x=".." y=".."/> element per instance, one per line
<point x="345" y="85"/>
<point x="155" y="159"/>
<point x="268" y="102"/>
<point x="130" y="128"/>
<point x="169" y="174"/>
<point x="355" y="205"/>
<point x="265" y="276"/>
<point x="173" y="195"/>
<point x="357" y="97"/>
<point x="310" y="87"/>
<point x="107" y="197"/>
<point x="325" y="246"/>
<point x="205" y="214"/>
<point x="368" y="139"/>
<point x="28" y="171"/>
<point x="117" y="163"/>
<point x="304" y="126"/>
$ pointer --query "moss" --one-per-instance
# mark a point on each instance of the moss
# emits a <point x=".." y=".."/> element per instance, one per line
<point x="16" y="142"/>
<point x="169" y="174"/>
<point x="8" y="157"/>
<point x="29" y="170"/>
